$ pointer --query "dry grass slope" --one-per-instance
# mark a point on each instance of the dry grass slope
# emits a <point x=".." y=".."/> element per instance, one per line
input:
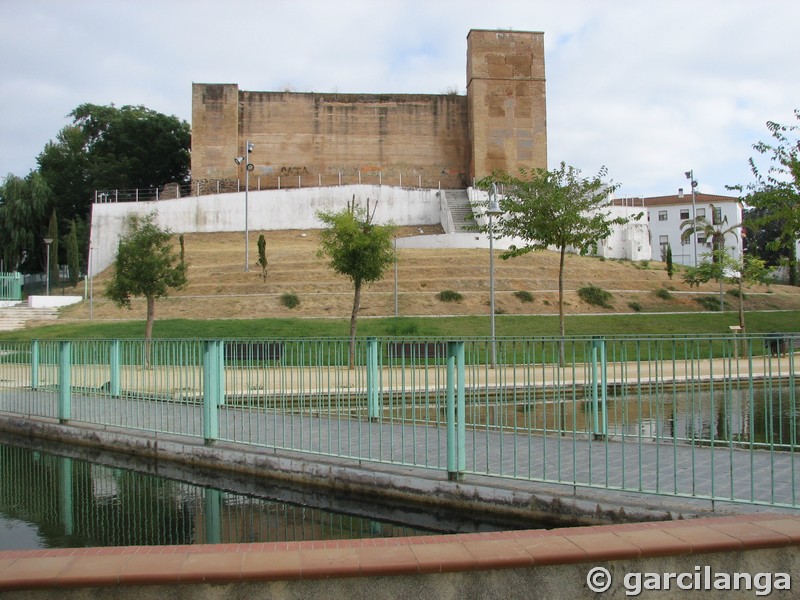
<point x="220" y="288"/>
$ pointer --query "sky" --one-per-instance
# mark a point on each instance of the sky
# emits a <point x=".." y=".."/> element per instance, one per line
<point x="648" y="89"/>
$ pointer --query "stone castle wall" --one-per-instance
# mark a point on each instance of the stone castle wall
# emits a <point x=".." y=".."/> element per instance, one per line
<point x="394" y="139"/>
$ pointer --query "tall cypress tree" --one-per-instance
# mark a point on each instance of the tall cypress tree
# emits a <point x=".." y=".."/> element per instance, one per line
<point x="52" y="233"/>
<point x="73" y="256"/>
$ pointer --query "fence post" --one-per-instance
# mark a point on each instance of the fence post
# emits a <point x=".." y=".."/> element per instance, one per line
<point x="35" y="364"/>
<point x="599" y="384"/>
<point x="373" y="380"/>
<point x="213" y="513"/>
<point x="213" y="387"/>
<point x="455" y="409"/>
<point x="64" y="381"/>
<point x="114" y="363"/>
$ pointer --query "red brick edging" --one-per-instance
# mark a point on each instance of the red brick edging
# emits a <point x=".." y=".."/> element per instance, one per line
<point x="229" y="563"/>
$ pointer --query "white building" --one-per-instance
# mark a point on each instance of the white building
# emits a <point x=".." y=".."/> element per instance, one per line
<point x="665" y="214"/>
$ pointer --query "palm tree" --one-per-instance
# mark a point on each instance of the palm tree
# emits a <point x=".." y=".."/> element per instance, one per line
<point x="716" y="232"/>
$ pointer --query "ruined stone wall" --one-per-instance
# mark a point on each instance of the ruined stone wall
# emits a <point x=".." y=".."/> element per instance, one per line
<point x="305" y="139"/>
<point x="328" y="138"/>
<point x="506" y="92"/>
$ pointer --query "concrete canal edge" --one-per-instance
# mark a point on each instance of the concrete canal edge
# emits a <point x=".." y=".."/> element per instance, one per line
<point x="554" y="563"/>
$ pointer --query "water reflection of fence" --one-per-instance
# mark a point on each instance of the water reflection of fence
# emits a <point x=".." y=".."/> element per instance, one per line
<point x="76" y="503"/>
<point x="585" y="411"/>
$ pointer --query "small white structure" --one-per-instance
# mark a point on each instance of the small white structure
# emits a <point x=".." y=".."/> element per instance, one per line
<point x="666" y="214"/>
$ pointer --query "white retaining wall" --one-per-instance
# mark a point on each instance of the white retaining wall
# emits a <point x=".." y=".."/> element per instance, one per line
<point x="268" y="210"/>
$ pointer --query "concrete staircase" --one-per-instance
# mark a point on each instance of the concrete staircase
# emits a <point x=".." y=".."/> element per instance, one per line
<point x="16" y="317"/>
<point x="460" y="209"/>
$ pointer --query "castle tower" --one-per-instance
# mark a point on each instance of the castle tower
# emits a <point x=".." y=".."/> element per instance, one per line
<point x="506" y="98"/>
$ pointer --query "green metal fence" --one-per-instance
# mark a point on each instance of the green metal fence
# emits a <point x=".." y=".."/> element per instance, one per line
<point x="711" y="417"/>
<point x="11" y="286"/>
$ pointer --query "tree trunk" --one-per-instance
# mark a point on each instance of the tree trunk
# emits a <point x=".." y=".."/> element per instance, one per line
<point x="561" y="328"/>
<point x="148" y="329"/>
<point x="741" y="304"/>
<point x="353" y="319"/>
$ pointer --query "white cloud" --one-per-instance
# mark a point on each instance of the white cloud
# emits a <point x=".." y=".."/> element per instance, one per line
<point x="647" y="88"/>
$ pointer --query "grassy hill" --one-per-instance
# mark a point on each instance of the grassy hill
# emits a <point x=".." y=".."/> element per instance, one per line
<point x="219" y="288"/>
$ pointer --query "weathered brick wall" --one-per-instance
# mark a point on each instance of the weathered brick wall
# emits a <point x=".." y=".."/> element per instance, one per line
<point x="397" y="139"/>
<point x="506" y="92"/>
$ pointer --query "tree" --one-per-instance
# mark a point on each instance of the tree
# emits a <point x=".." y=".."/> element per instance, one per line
<point x="262" y="255"/>
<point x="719" y="265"/>
<point x="146" y="265"/>
<point x="358" y="249"/>
<point x="716" y="232"/>
<point x="52" y="233"/>
<point x="554" y="208"/>
<point x="73" y="256"/>
<point x="106" y="147"/>
<point x="670" y="264"/>
<point x="776" y="189"/>
<point x="24" y="206"/>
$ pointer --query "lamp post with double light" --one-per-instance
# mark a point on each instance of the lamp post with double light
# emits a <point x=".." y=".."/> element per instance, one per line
<point x="492" y="210"/>
<point x="248" y="166"/>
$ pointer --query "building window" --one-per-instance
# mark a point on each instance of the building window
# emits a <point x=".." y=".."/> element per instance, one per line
<point x="662" y="215"/>
<point x="717" y="216"/>
<point x="701" y="213"/>
<point x="701" y="239"/>
<point x="684" y="214"/>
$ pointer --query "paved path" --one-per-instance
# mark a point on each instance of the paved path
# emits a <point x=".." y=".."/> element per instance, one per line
<point x="663" y="466"/>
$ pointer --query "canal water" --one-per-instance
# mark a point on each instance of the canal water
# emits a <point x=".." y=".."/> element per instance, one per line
<point x="52" y="500"/>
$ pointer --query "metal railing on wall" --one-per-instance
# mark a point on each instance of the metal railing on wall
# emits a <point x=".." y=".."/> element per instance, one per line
<point x="709" y="417"/>
<point x="277" y="182"/>
<point x="11" y="286"/>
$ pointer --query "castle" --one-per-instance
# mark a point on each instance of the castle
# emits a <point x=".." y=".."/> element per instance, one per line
<point x="445" y="140"/>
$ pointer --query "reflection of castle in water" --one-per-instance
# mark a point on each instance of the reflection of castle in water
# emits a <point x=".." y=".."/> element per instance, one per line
<point x="74" y="503"/>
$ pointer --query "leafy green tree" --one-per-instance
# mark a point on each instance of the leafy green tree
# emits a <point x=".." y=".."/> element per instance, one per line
<point x="52" y="233"/>
<point x="721" y="266"/>
<point x="554" y="208"/>
<point x="358" y="249"/>
<point x="73" y="255"/>
<point x="717" y="233"/>
<point x="776" y="189"/>
<point x="108" y="147"/>
<point x="146" y="265"/>
<point x="24" y="206"/>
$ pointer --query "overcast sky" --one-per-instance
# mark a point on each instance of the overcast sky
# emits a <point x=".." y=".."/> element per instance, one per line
<point x="649" y="89"/>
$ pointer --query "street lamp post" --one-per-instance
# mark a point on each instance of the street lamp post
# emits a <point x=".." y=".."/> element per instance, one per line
<point x="48" y="241"/>
<point x="492" y="210"/>
<point x="693" y="183"/>
<point x="248" y="166"/>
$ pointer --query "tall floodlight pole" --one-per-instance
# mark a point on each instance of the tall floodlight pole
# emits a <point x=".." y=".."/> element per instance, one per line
<point x="248" y="166"/>
<point x="48" y="241"/>
<point x="693" y="183"/>
<point x="492" y="210"/>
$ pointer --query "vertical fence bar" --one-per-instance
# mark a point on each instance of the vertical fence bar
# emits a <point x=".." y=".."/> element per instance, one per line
<point x="35" y="364"/>
<point x="213" y="387"/>
<point x="455" y="411"/>
<point x="64" y="381"/>
<point x="114" y="363"/>
<point x="373" y="380"/>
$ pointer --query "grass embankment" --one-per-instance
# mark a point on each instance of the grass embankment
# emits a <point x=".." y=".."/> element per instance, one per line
<point x="469" y="326"/>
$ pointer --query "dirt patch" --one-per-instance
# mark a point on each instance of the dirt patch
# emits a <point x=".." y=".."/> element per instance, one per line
<point x="219" y="287"/>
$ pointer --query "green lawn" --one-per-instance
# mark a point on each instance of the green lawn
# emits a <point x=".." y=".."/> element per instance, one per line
<point x="506" y="325"/>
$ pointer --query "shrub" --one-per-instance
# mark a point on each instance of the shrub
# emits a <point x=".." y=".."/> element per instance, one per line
<point x="735" y="293"/>
<point x="709" y="302"/>
<point x="524" y="296"/>
<point x="663" y="293"/>
<point x="635" y="306"/>
<point x="449" y="296"/>
<point x="594" y="295"/>
<point x="290" y="300"/>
